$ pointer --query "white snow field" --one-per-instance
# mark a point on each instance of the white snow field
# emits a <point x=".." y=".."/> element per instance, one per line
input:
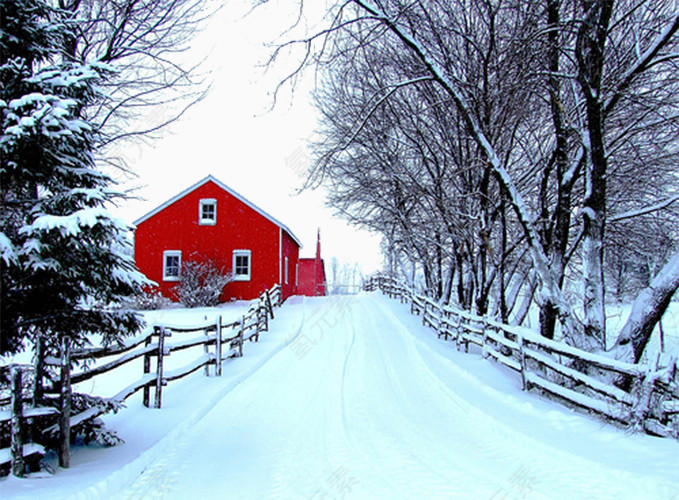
<point x="350" y="397"/>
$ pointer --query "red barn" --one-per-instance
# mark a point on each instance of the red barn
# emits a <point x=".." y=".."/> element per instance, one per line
<point x="210" y="221"/>
<point x="311" y="273"/>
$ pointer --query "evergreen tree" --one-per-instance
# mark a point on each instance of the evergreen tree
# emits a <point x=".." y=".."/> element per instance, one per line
<point x="62" y="254"/>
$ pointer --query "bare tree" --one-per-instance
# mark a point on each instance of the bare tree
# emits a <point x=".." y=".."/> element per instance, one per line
<point x="540" y="114"/>
<point x="145" y="44"/>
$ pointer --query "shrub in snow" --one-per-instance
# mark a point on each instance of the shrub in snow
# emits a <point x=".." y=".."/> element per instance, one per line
<point x="94" y="429"/>
<point x="201" y="284"/>
<point x="148" y="300"/>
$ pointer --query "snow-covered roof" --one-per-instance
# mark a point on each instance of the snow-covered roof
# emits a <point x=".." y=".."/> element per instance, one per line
<point x="228" y="190"/>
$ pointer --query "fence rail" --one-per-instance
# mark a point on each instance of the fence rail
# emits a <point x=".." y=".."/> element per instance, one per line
<point x="221" y="341"/>
<point x="582" y="378"/>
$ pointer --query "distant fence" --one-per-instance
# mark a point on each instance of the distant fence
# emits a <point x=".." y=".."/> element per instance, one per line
<point x="220" y="341"/>
<point x="579" y="377"/>
<point x="344" y="289"/>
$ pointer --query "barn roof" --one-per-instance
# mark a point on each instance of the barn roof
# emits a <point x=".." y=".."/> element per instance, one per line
<point x="228" y="190"/>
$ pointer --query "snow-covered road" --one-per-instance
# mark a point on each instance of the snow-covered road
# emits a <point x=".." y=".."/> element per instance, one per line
<point x="365" y="403"/>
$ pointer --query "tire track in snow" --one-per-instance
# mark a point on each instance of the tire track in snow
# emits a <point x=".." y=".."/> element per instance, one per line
<point x="288" y="452"/>
<point x="344" y="375"/>
<point x="158" y="479"/>
<point x="525" y="465"/>
<point x="401" y="432"/>
<point x="483" y="443"/>
<point x="369" y="403"/>
<point x="340" y="455"/>
<point x="446" y="460"/>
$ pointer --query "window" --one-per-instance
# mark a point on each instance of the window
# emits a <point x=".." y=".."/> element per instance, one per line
<point x="172" y="265"/>
<point x="207" y="215"/>
<point x="286" y="270"/>
<point x="241" y="265"/>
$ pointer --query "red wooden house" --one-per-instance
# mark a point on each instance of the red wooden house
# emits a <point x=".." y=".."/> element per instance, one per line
<point x="210" y="221"/>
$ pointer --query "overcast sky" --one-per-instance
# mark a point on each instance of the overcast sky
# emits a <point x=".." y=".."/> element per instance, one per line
<point x="231" y="134"/>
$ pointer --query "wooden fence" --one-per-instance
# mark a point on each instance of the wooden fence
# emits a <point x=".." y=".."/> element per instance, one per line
<point x="220" y="341"/>
<point x="581" y="378"/>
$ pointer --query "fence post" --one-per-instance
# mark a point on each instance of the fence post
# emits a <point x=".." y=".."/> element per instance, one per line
<point x="457" y="326"/>
<point x="39" y="371"/>
<point x="443" y="321"/>
<point x="218" y="347"/>
<point x="159" y="367"/>
<point x="484" y="334"/>
<point x="241" y="331"/>
<point x="522" y="362"/>
<point x="266" y="314"/>
<point x="659" y="410"/>
<point x="646" y="394"/>
<point x="464" y="325"/>
<point x="65" y="405"/>
<point x="253" y="314"/>
<point x="147" y="370"/>
<point x="17" y="442"/>
<point x="268" y="303"/>
<point x="424" y="313"/>
<point x="206" y="350"/>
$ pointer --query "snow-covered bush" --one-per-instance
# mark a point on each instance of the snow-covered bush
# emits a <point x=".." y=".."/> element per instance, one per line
<point x="202" y="283"/>
<point x="148" y="300"/>
<point x="94" y="429"/>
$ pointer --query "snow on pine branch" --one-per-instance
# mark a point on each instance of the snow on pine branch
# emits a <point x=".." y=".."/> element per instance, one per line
<point x="50" y="115"/>
<point x="7" y="251"/>
<point x="70" y="225"/>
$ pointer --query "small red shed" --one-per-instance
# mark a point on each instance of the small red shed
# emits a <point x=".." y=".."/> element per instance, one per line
<point x="311" y="273"/>
<point x="210" y="221"/>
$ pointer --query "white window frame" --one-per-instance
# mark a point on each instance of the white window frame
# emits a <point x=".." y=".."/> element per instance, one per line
<point x="286" y="270"/>
<point x="172" y="253"/>
<point x="203" y="203"/>
<point x="242" y="276"/>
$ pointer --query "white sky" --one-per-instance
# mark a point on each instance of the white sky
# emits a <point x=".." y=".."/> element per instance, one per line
<point x="232" y="135"/>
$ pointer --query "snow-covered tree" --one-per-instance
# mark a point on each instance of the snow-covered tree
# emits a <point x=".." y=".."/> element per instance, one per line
<point x="566" y="115"/>
<point x="62" y="253"/>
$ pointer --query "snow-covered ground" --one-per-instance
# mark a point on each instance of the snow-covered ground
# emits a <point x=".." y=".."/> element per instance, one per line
<point x="350" y="397"/>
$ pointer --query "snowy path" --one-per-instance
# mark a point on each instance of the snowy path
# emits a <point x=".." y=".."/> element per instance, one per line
<point x="357" y="406"/>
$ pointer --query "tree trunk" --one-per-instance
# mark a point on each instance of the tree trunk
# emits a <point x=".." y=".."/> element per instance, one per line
<point x="548" y="315"/>
<point x="590" y="55"/>
<point x="450" y="280"/>
<point x="647" y="310"/>
<point x="460" y="279"/>
<point x="555" y="234"/>
<point x="524" y="307"/>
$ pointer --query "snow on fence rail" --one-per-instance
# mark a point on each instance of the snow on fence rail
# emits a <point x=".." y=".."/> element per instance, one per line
<point x="579" y="377"/>
<point x="16" y="408"/>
